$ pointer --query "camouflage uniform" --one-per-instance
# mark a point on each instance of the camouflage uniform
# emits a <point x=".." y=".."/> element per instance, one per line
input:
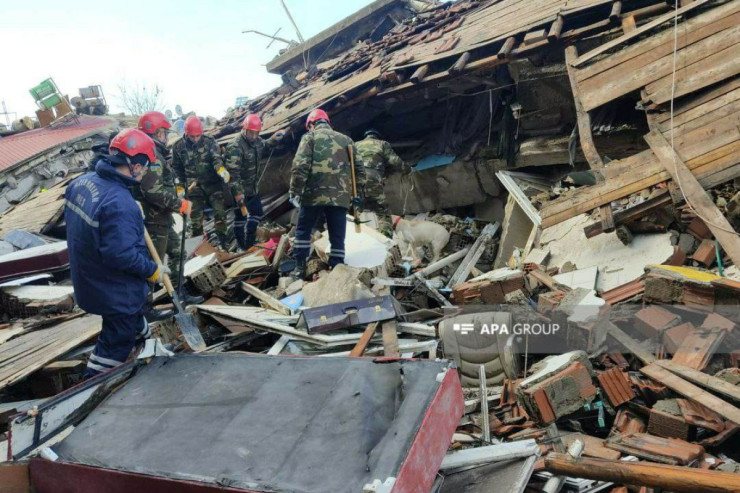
<point x="322" y="178"/>
<point x="200" y="162"/>
<point x="378" y="157"/>
<point x="244" y="162"/>
<point x="159" y="200"/>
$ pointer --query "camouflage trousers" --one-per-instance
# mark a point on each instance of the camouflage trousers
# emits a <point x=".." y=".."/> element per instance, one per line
<point x="207" y="196"/>
<point x="166" y="241"/>
<point x="376" y="203"/>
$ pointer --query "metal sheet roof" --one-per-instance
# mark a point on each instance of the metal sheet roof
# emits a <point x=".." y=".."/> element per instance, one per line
<point x="26" y="145"/>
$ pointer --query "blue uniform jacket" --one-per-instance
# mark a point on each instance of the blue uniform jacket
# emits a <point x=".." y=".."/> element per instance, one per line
<point x="108" y="257"/>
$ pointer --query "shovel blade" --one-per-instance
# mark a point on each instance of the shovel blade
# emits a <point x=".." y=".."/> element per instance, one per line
<point x="188" y="327"/>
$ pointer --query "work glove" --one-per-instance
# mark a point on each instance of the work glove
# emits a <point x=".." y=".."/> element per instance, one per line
<point x="295" y="200"/>
<point x="186" y="207"/>
<point x="225" y="176"/>
<point x="161" y="270"/>
<point x="278" y="136"/>
<point x="180" y="192"/>
<point x="357" y="202"/>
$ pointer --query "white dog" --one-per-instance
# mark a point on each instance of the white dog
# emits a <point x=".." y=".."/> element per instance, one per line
<point x="419" y="234"/>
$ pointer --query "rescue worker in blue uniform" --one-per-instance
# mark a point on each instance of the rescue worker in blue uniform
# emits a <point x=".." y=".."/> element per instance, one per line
<point x="109" y="260"/>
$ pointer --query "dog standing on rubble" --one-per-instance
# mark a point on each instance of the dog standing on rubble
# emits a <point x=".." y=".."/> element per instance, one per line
<point x="419" y="234"/>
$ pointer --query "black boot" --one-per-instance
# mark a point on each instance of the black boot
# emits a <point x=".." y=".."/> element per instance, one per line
<point x="158" y="315"/>
<point x="190" y="299"/>
<point x="213" y="238"/>
<point x="250" y="241"/>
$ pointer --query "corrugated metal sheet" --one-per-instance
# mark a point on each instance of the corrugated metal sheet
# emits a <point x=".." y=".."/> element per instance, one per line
<point x="20" y="147"/>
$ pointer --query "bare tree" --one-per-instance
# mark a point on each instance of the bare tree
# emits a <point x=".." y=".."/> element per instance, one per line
<point x="140" y="98"/>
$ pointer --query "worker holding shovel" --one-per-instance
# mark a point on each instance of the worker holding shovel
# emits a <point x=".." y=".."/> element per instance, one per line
<point x="108" y="257"/>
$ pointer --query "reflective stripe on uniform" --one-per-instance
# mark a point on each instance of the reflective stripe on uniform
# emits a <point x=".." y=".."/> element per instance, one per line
<point x="83" y="215"/>
<point x="104" y="361"/>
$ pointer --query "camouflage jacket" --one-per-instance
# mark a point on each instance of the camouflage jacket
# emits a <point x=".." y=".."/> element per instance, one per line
<point x="378" y="158"/>
<point x="158" y="194"/>
<point x="197" y="162"/>
<point x="244" y="162"/>
<point x="321" y="172"/>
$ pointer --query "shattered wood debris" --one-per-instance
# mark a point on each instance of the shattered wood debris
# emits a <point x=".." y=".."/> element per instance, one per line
<point x="583" y="304"/>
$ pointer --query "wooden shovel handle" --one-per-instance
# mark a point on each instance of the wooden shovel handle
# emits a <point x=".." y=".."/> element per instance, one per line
<point x="155" y="257"/>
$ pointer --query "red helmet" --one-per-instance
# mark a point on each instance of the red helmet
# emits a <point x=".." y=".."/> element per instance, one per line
<point x="132" y="142"/>
<point x="315" y="116"/>
<point x="193" y="126"/>
<point x="252" y="122"/>
<point x="151" y="121"/>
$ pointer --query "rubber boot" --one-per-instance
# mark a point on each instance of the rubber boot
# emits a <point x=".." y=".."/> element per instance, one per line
<point x="189" y="299"/>
<point x="154" y="315"/>
<point x="249" y="241"/>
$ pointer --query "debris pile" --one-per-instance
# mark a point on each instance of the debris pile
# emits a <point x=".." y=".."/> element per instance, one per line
<point x="561" y="291"/>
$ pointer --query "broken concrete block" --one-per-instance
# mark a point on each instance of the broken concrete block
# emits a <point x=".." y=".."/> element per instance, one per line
<point x="674" y="284"/>
<point x="483" y="292"/>
<point x="705" y="254"/>
<point x="698" y="229"/>
<point x="674" y="336"/>
<point x="340" y="285"/>
<point x="206" y="273"/>
<point x="27" y="301"/>
<point x="559" y="385"/>
<point x="687" y="243"/>
<point x="651" y="321"/>
<point x="667" y="421"/>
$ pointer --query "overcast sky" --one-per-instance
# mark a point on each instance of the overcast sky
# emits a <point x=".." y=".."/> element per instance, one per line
<point x="194" y="50"/>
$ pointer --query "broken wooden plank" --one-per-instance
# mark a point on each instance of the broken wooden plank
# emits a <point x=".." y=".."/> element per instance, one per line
<point x="506" y="48"/>
<point x="695" y="195"/>
<point x="475" y="253"/>
<point x="700" y="378"/>
<point x="460" y="63"/>
<point x="390" y="339"/>
<point x="584" y="119"/>
<point x="28" y="353"/>
<point x="691" y="391"/>
<point x="440" y="264"/>
<point x="636" y="33"/>
<point x="268" y="300"/>
<point x="556" y="29"/>
<point x="364" y="340"/>
<point x="672" y="478"/>
<point x="419" y="74"/>
<point x="616" y="13"/>
<point x="630" y="344"/>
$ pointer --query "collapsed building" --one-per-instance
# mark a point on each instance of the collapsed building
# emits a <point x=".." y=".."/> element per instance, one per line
<point x="582" y="155"/>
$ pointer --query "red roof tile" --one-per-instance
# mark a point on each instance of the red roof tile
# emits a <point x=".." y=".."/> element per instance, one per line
<point x="25" y="145"/>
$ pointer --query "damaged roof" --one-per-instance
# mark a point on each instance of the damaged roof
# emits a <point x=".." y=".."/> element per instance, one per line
<point x="26" y="145"/>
